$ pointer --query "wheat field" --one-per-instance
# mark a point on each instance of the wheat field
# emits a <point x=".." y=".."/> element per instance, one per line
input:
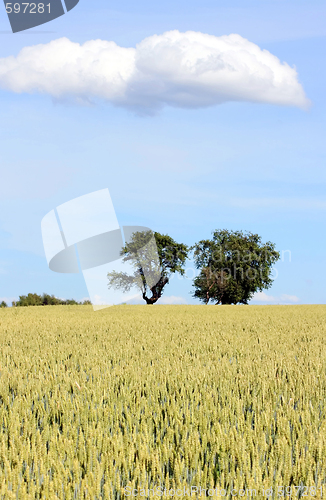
<point x="162" y="401"/>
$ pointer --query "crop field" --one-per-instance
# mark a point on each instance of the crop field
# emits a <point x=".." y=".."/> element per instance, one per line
<point x="163" y="402"/>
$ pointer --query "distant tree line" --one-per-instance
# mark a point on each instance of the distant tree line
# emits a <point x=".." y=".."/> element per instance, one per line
<point x="232" y="266"/>
<point x="32" y="299"/>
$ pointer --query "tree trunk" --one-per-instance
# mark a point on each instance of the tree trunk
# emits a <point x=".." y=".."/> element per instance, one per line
<point x="156" y="292"/>
<point x="149" y="301"/>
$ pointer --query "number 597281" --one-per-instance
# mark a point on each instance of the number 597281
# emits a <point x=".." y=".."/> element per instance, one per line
<point x="28" y="8"/>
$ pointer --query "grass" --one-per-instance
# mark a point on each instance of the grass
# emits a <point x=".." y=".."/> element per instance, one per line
<point x="95" y="405"/>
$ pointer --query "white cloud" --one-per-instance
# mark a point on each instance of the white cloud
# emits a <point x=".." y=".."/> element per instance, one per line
<point x="282" y="299"/>
<point x="8" y="300"/>
<point x="172" y="299"/>
<point x="187" y="70"/>
<point x="263" y="297"/>
<point x="84" y="298"/>
<point x="289" y="298"/>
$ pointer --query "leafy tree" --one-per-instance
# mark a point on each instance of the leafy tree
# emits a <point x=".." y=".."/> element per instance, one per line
<point x="32" y="299"/>
<point x="233" y="266"/>
<point x="150" y="276"/>
<point x="3" y="304"/>
<point x="49" y="300"/>
<point x="71" y="302"/>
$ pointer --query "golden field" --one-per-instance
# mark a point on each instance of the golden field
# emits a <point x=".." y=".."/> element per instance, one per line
<point x="107" y="404"/>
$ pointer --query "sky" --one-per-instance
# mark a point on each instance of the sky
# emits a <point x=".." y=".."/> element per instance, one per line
<point x="196" y="116"/>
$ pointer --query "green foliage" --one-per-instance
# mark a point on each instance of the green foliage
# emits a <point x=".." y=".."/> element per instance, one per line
<point x="141" y="253"/>
<point x="233" y="266"/>
<point x="3" y="304"/>
<point x="32" y="299"/>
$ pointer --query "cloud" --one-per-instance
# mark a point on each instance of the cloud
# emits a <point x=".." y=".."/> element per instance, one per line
<point x="8" y="300"/>
<point x="289" y="298"/>
<point x="263" y="297"/>
<point x="186" y="70"/>
<point x="282" y="299"/>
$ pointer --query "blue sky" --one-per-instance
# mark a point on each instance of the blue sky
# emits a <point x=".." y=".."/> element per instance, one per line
<point x="184" y="171"/>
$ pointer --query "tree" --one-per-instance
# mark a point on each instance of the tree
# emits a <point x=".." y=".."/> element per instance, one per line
<point x="150" y="276"/>
<point x="3" y="304"/>
<point x="32" y="299"/>
<point x="233" y="266"/>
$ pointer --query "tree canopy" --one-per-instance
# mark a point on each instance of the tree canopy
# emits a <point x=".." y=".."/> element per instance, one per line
<point x="3" y="304"/>
<point x="150" y="276"/>
<point x="33" y="299"/>
<point x="233" y="266"/>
